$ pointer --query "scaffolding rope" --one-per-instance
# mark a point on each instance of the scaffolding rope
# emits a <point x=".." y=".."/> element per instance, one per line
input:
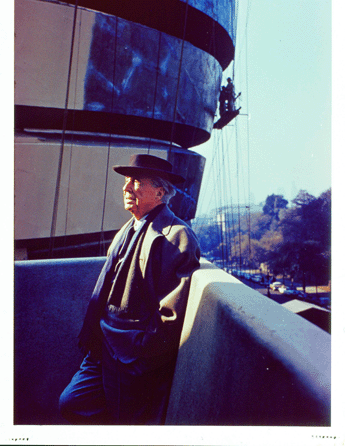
<point x="102" y="238"/>
<point x="72" y="140"/>
<point x="178" y="78"/>
<point x="62" y="145"/>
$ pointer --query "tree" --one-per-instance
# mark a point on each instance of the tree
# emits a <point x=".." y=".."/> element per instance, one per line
<point x="290" y="240"/>
<point x="305" y="231"/>
<point x="209" y="237"/>
<point x="260" y="224"/>
<point x="273" y="205"/>
<point x="303" y="198"/>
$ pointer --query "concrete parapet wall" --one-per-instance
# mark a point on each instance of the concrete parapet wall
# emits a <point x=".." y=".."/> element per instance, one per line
<point x="246" y="360"/>
<point x="243" y="359"/>
<point x="51" y="298"/>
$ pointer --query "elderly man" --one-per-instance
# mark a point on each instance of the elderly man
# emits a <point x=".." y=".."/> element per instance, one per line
<point x="133" y="323"/>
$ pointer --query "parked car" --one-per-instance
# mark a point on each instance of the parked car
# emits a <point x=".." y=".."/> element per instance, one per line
<point x="291" y="292"/>
<point x="256" y="278"/>
<point x="275" y="285"/>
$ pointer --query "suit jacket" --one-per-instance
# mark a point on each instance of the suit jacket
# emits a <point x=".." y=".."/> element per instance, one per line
<point x="153" y="283"/>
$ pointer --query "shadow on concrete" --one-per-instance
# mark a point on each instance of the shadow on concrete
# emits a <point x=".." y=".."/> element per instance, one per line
<point x="238" y="367"/>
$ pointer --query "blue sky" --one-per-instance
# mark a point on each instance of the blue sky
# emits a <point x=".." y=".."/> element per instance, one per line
<point x="283" y="71"/>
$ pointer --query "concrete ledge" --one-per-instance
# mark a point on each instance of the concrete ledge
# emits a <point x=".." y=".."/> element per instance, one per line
<point x="246" y="360"/>
<point x="243" y="359"/>
<point x="49" y="307"/>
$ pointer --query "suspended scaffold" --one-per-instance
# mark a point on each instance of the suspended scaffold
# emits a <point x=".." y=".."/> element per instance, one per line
<point x="226" y="118"/>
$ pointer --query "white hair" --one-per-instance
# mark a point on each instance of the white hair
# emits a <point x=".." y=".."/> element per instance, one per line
<point x="169" y="189"/>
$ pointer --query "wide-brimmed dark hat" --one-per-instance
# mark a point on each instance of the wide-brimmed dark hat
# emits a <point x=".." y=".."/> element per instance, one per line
<point x="150" y="166"/>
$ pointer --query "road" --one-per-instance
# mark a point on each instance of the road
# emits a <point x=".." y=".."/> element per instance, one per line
<point x="274" y="295"/>
<point x="313" y="294"/>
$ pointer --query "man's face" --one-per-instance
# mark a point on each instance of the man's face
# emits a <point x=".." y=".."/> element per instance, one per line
<point x="140" y="197"/>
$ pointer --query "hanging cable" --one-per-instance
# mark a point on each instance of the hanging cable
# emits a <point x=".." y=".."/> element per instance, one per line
<point x="156" y="84"/>
<point x="64" y="126"/>
<point x="226" y="199"/>
<point x="248" y="146"/>
<point x="227" y="178"/>
<point x="220" y="183"/>
<point x="239" y="52"/>
<point x="206" y="181"/>
<point x="102" y="250"/>
<point x="220" y="160"/>
<point x="72" y="141"/>
<point x="244" y="42"/>
<point x="178" y="77"/>
<point x="232" y="207"/>
<point x="228" y="192"/>
<point x="238" y="199"/>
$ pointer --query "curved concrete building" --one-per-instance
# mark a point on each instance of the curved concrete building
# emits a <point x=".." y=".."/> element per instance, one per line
<point x="95" y="82"/>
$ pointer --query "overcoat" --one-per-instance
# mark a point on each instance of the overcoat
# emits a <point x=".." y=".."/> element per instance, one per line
<point x="156" y="276"/>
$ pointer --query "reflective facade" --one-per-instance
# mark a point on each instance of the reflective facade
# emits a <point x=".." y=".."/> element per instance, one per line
<point x="100" y="81"/>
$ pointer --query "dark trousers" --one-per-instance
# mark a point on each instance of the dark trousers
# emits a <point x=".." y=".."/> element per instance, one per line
<point x="110" y="392"/>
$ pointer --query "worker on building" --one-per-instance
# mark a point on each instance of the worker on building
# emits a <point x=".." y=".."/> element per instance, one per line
<point x="222" y="101"/>
<point x="229" y="95"/>
<point x="133" y="323"/>
<point x="227" y="98"/>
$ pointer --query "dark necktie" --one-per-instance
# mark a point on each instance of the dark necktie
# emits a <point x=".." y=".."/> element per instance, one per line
<point x="122" y="252"/>
<point x="113" y="300"/>
<point x="128" y="238"/>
